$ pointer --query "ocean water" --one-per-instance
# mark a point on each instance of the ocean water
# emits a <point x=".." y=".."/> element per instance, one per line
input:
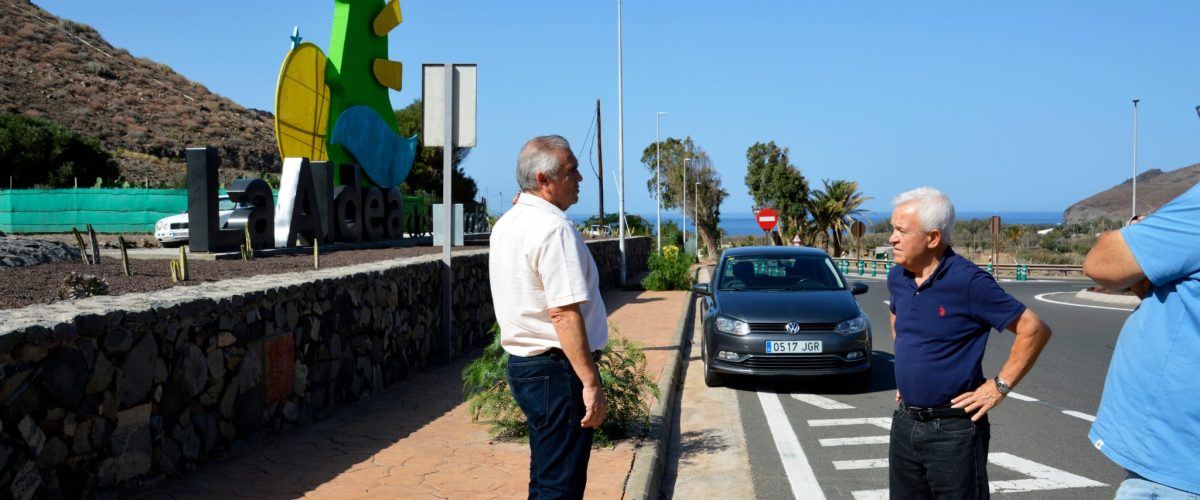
<point x="741" y="225"/>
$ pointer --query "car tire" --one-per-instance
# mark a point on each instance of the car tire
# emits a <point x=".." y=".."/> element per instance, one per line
<point x="172" y="244"/>
<point x="711" y="379"/>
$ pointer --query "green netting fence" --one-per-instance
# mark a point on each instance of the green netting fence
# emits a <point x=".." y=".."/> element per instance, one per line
<point x="123" y="210"/>
<point x="108" y="210"/>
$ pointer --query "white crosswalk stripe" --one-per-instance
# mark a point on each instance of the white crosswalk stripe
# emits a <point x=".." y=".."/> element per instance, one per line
<point x="822" y="402"/>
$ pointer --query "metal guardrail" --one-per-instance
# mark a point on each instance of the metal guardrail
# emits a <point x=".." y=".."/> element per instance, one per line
<point x="873" y="267"/>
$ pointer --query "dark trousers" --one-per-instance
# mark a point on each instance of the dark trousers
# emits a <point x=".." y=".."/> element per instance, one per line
<point x="551" y="395"/>
<point x="932" y="457"/>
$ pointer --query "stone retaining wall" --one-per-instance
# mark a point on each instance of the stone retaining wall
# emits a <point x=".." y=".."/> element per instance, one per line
<point x="108" y="393"/>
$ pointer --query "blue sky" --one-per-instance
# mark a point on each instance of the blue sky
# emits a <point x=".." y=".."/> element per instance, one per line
<point x="1007" y="106"/>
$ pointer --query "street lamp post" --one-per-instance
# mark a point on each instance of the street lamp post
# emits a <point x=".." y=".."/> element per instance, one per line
<point x="658" y="176"/>
<point x="683" y="187"/>
<point x="1134" y="209"/>
<point x="696" y="218"/>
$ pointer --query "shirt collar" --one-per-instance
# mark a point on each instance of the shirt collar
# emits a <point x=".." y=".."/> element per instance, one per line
<point x="538" y="202"/>
<point x="942" y="267"/>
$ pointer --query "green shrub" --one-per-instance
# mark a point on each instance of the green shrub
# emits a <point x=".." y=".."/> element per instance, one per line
<point x="627" y="388"/>
<point x="669" y="270"/>
<point x="38" y="152"/>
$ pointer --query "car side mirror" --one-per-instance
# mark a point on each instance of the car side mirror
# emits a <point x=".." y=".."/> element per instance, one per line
<point x="701" y="289"/>
<point x="858" y="288"/>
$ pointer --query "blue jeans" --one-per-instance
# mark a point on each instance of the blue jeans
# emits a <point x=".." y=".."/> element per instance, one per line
<point x="551" y="395"/>
<point x="937" y="457"/>
<point x="1136" y="487"/>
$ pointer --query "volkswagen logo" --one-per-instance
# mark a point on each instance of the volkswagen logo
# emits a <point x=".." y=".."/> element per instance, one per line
<point x="793" y="328"/>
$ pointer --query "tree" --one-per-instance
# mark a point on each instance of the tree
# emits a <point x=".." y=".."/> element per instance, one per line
<point x="677" y="155"/>
<point x="37" y="152"/>
<point x="426" y="175"/>
<point x="774" y="182"/>
<point x="833" y="210"/>
<point x="709" y="197"/>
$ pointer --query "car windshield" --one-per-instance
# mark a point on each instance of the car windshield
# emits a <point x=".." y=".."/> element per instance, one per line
<point x="801" y="272"/>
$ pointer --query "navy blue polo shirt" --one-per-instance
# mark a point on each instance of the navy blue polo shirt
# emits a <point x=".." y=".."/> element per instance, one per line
<point x="942" y="328"/>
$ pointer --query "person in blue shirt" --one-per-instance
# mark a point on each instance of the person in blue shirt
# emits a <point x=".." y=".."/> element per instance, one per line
<point x="943" y="308"/>
<point x="1149" y="417"/>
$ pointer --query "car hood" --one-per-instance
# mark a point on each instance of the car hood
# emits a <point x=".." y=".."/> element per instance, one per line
<point x="183" y="217"/>
<point x="809" y="306"/>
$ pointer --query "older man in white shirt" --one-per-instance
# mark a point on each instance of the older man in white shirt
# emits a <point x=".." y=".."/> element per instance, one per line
<point x="553" y="323"/>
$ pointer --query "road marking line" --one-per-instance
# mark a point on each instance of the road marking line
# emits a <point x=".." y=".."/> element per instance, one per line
<point x="1044" y="476"/>
<point x="888" y="302"/>
<point x="795" y="463"/>
<point x="1082" y="415"/>
<point x="854" y="441"/>
<point x="822" y="402"/>
<point x="883" y="422"/>
<point x="873" y="463"/>
<point x="1042" y="297"/>
<point x="1021" y="397"/>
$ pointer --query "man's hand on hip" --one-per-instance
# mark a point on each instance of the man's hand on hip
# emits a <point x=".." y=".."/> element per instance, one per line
<point x="595" y="407"/>
<point x="979" y="401"/>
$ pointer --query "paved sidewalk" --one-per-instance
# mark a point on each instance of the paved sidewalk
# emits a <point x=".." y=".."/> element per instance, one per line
<point x="415" y="440"/>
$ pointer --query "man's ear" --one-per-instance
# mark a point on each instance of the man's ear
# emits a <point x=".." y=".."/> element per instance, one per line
<point x="935" y="238"/>
<point x="542" y="178"/>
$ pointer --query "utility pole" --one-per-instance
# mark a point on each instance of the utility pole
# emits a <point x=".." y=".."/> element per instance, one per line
<point x="683" y="212"/>
<point x="600" y="160"/>
<point x="620" y="148"/>
<point x="1133" y="212"/>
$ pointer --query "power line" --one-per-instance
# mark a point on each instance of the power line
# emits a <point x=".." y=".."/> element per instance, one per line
<point x="53" y="25"/>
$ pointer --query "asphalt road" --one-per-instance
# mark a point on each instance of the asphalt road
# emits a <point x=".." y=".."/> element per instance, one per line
<point x="805" y="439"/>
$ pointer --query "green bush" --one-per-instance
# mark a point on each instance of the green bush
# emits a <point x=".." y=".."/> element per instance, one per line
<point x="627" y="388"/>
<point x="669" y="270"/>
<point x="38" y="152"/>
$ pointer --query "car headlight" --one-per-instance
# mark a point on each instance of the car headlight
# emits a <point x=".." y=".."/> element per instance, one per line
<point x="853" y="325"/>
<point x="159" y="226"/>
<point x="732" y="326"/>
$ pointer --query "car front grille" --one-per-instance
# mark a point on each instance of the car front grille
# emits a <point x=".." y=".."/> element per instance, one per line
<point x="782" y="327"/>
<point x="797" y="361"/>
<point x="179" y="225"/>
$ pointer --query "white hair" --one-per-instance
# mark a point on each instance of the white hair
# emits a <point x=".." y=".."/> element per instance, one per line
<point x="933" y="208"/>
<point x="540" y="155"/>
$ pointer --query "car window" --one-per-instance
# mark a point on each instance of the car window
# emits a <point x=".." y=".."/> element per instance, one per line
<point x="224" y="203"/>
<point x="805" y="272"/>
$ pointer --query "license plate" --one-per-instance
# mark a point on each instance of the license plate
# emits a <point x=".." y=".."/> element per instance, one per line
<point x="794" y="346"/>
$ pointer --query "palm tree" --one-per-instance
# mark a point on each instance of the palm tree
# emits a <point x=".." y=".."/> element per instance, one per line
<point x="833" y="209"/>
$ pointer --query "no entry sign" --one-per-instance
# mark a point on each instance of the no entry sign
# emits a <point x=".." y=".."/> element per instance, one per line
<point x="767" y="218"/>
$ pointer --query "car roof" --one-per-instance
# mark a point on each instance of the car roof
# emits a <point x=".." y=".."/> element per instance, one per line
<point x="773" y="251"/>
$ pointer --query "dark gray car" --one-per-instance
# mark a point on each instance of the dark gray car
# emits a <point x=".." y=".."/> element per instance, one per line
<point x="783" y="311"/>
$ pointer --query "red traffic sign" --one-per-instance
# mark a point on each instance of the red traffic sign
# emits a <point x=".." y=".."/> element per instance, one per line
<point x="767" y="218"/>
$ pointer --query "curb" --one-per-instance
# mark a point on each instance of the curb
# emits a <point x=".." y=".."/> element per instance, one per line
<point x="1108" y="298"/>
<point x="649" y="461"/>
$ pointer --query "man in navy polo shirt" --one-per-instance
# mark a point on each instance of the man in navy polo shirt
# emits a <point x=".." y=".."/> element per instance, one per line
<point x="943" y="307"/>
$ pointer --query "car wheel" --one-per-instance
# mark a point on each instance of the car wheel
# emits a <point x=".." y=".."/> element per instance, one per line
<point x="711" y="379"/>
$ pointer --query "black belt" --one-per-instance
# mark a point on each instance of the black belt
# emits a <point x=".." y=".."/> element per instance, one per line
<point x="556" y="353"/>
<point x="927" y="414"/>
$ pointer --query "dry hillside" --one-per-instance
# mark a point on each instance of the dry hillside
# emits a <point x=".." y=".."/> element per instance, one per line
<point x="145" y="113"/>
<point x="1154" y="189"/>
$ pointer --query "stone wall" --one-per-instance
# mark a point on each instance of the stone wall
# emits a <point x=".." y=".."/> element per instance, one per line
<point x="107" y="393"/>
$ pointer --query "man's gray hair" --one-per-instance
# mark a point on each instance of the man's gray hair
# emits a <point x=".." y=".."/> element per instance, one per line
<point x="540" y="155"/>
<point x="933" y="208"/>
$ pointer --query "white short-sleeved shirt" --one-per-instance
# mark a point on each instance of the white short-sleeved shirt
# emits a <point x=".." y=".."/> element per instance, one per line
<point x="538" y="261"/>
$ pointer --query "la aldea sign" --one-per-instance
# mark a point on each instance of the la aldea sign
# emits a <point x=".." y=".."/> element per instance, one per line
<point x="311" y="207"/>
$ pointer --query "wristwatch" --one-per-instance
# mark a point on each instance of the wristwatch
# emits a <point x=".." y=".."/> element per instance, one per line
<point x="1002" y="386"/>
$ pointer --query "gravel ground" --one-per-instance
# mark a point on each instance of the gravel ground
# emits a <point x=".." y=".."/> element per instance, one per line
<point x="41" y="284"/>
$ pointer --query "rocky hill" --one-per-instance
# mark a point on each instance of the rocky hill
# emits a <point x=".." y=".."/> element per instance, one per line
<point x="1154" y="189"/>
<point x="143" y="112"/>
